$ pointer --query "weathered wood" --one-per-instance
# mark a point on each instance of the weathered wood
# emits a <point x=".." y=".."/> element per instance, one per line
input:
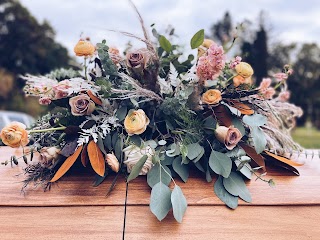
<point x="39" y="223"/>
<point x="74" y="209"/>
<point x="217" y="222"/>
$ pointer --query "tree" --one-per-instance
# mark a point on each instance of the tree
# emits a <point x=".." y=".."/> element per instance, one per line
<point x="222" y="30"/>
<point x="26" y="46"/>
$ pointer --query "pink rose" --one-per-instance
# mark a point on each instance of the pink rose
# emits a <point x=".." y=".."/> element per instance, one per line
<point x="229" y="136"/>
<point x="61" y="89"/>
<point x="81" y="105"/>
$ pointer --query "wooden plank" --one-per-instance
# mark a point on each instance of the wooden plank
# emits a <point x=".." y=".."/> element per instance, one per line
<point x="38" y="223"/>
<point x="75" y="189"/>
<point x="207" y="222"/>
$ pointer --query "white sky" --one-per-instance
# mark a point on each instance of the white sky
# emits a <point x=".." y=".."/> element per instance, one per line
<point x="290" y="21"/>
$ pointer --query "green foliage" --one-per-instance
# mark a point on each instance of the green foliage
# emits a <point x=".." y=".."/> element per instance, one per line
<point x="220" y="163"/>
<point x="122" y="113"/>
<point x="235" y="185"/>
<point x="197" y="39"/>
<point x="259" y="139"/>
<point x="179" y="203"/>
<point x="158" y="174"/>
<point x="107" y="63"/>
<point x="254" y="120"/>
<point x="194" y="150"/>
<point x="105" y="86"/>
<point x="62" y="74"/>
<point x="165" y="44"/>
<point x="180" y="168"/>
<point x="160" y="200"/>
<point x="137" y="168"/>
<point x="230" y="200"/>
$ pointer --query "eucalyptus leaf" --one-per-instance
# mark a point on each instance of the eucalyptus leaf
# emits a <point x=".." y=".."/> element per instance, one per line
<point x="197" y="39"/>
<point x="137" y="168"/>
<point x="101" y="145"/>
<point x="208" y="175"/>
<point x="199" y="156"/>
<point x="165" y="43"/>
<point x="160" y="200"/>
<point x="153" y="144"/>
<point x="180" y="168"/>
<point x="254" y="120"/>
<point x="179" y="203"/>
<point x="194" y="150"/>
<point x="220" y="163"/>
<point x="210" y="123"/>
<point x="230" y="200"/>
<point x="162" y="142"/>
<point x="99" y="179"/>
<point x="157" y="173"/>
<point x="244" y="168"/>
<point x="167" y="160"/>
<point x="235" y="185"/>
<point x="238" y="124"/>
<point x="107" y="142"/>
<point x="118" y="148"/>
<point x="199" y="166"/>
<point x="259" y="139"/>
<point x="122" y="113"/>
<point x="136" y="140"/>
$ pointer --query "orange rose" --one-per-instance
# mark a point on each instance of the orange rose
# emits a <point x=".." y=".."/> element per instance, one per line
<point x="211" y="97"/>
<point x="229" y="136"/>
<point x="15" y="135"/>
<point x="84" y="48"/>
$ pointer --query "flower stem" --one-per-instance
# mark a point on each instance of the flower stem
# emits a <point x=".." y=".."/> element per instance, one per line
<point x="85" y="67"/>
<point x="48" y="130"/>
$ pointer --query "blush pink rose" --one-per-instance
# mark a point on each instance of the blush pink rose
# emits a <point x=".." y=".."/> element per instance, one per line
<point x="230" y="136"/>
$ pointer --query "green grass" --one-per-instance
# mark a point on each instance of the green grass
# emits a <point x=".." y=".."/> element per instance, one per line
<point x="307" y="137"/>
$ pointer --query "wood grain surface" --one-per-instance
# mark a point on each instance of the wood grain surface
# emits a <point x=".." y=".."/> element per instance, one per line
<point x="73" y="209"/>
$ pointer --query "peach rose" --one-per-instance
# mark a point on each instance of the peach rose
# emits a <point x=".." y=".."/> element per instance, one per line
<point x="229" y="136"/>
<point x="211" y="97"/>
<point x="244" y="70"/>
<point x="84" y="48"/>
<point x="136" y="122"/>
<point x="81" y="105"/>
<point x="14" y="135"/>
<point x="113" y="162"/>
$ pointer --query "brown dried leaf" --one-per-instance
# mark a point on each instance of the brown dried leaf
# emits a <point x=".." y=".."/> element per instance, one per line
<point x="282" y="162"/>
<point x="96" y="158"/>
<point x="222" y="115"/>
<point x="84" y="156"/>
<point x="251" y="152"/>
<point x="67" y="164"/>
<point x="243" y="108"/>
<point x="94" y="98"/>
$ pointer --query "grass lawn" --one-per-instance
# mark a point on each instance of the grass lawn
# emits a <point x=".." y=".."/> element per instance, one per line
<point x="307" y="137"/>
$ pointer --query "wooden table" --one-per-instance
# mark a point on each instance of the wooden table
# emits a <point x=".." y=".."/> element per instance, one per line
<point x="73" y="209"/>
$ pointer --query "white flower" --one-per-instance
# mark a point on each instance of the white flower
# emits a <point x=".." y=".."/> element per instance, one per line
<point x="133" y="154"/>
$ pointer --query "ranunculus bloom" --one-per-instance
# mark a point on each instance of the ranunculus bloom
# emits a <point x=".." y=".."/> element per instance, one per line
<point x="81" y="105"/>
<point x="84" y="48"/>
<point x="138" y="60"/>
<point x="244" y="69"/>
<point x="113" y="162"/>
<point x="48" y="154"/>
<point x="136" y="122"/>
<point x="211" y="97"/>
<point x="229" y="136"/>
<point x="133" y="154"/>
<point x="14" y="135"/>
<point x="114" y="55"/>
<point x="204" y="47"/>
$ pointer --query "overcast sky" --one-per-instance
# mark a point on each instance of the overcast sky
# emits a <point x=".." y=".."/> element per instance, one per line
<point x="290" y="21"/>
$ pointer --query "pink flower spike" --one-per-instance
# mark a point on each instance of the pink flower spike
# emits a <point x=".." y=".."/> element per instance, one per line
<point x="284" y="96"/>
<point x="266" y="82"/>
<point x="280" y="77"/>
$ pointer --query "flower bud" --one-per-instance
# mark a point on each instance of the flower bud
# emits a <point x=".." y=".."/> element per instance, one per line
<point x="113" y="162"/>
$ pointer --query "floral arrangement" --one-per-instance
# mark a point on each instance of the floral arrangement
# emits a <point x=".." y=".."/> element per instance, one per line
<point x="148" y="113"/>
